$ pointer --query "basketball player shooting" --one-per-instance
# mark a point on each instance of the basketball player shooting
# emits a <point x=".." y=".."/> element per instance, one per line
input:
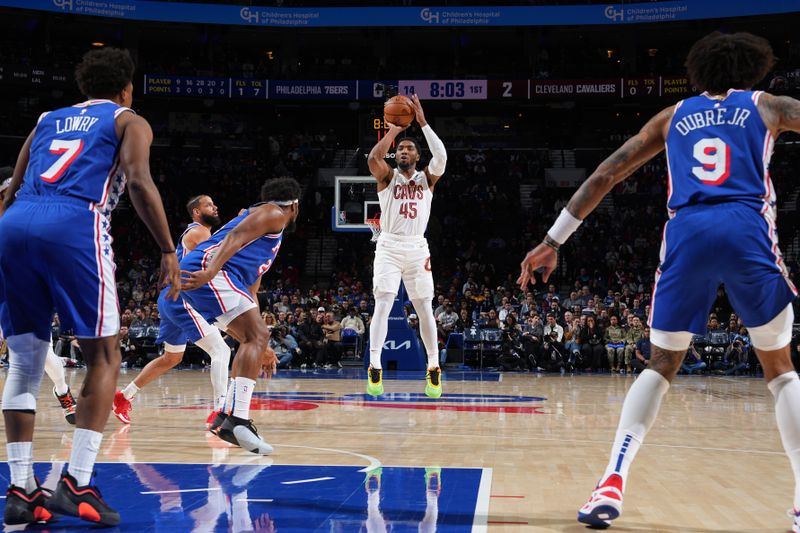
<point x="721" y="229"/>
<point x="405" y="195"/>
<point x="181" y="324"/>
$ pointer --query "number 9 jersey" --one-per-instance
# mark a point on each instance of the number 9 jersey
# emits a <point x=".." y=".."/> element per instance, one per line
<point x="719" y="151"/>
<point x="721" y="227"/>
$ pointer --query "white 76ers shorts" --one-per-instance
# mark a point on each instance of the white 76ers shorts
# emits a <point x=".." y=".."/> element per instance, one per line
<point x="403" y="258"/>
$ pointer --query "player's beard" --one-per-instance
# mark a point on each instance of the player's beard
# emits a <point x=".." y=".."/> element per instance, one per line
<point x="290" y="226"/>
<point x="211" y="220"/>
<point x="405" y="165"/>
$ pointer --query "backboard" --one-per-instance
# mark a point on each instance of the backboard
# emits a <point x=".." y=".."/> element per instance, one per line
<point x="355" y="200"/>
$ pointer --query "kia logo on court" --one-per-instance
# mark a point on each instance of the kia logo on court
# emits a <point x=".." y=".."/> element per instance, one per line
<point x="392" y="345"/>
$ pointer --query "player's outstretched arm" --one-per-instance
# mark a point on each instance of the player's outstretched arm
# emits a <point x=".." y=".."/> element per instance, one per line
<point x="780" y="113"/>
<point x="438" y="162"/>
<point x="636" y="151"/>
<point x="19" y="172"/>
<point x="266" y="218"/>
<point x="134" y="160"/>
<point x="376" y="160"/>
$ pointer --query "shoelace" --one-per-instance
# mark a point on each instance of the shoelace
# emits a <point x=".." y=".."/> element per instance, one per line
<point x="374" y="375"/>
<point x="67" y="400"/>
<point x="434" y="377"/>
<point x="792" y="513"/>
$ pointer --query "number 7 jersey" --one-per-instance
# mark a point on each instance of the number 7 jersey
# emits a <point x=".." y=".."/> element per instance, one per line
<point x="718" y="151"/>
<point x="75" y="153"/>
<point x="406" y="204"/>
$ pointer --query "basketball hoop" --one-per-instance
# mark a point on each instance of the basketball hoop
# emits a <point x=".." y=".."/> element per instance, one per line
<point x="374" y="225"/>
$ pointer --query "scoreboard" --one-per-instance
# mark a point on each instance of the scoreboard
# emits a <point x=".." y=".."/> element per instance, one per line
<point x="670" y="87"/>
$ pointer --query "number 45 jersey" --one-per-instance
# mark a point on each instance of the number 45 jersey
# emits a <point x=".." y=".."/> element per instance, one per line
<point x="74" y="153"/>
<point x="719" y="151"/>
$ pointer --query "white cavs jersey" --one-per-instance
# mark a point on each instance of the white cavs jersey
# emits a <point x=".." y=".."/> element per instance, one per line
<point x="406" y="205"/>
<point x="402" y="250"/>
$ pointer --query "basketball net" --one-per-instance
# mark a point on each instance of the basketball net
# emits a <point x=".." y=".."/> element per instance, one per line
<point x="374" y="225"/>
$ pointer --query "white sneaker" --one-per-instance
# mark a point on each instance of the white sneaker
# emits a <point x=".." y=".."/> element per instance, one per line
<point x="604" y="505"/>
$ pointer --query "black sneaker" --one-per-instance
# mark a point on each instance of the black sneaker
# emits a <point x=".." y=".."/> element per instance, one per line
<point x="217" y="422"/>
<point x="68" y="404"/>
<point x="244" y="434"/>
<point x="85" y="502"/>
<point x="26" y="508"/>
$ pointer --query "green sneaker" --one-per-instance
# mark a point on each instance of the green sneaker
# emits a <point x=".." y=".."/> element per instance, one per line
<point x="374" y="381"/>
<point x="433" y="479"/>
<point x="433" y="382"/>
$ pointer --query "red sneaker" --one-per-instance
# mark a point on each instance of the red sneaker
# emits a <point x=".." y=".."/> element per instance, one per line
<point x="211" y="417"/>
<point x="604" y="505"/>
<point x="122" y="408"/>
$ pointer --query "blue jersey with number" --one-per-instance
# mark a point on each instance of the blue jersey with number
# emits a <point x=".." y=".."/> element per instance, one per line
<point x="718" y="151"/>
<point x="75" y="153"/>
<point x="250" y="262"/>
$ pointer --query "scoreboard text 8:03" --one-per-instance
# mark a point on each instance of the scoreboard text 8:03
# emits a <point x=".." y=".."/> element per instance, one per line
<point x="445" y="89"/>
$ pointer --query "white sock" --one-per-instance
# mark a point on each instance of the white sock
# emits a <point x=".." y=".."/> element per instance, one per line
<point x="130" y="391"/>
<point x="242" y="393"/>
<point x="638" y="414"/>
<point x="427" y="330"/>
<point x="786" y="390"/>
<point x="220" y="354"/>
<point x="85" y="445"/>
<point x="379" y="326"/>
<point x="54" y="367"/>
<point x="20" y="463"/>
<point x="227" y="402"/>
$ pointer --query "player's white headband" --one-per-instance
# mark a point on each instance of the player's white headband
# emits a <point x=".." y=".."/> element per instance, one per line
<point x="5" y="185"/>
<point x="287" y="203"/>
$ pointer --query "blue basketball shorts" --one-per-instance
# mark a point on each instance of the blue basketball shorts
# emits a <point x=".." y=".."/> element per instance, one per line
<point x="57" y="255"/>
<point x="179" y="322"/>
<point x="706" y="245"/>
<point x="222" y="299"/>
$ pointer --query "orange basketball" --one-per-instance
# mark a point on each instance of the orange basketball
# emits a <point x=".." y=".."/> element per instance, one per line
<point x="399" y="111"/>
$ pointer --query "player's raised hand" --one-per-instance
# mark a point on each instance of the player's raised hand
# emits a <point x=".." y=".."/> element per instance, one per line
<point x="419" y="114"/>
<point x="542" y="257"/>
<point x="394" y="128"/>
<point x="170" y="273"/>
<point x="193" y="280"/>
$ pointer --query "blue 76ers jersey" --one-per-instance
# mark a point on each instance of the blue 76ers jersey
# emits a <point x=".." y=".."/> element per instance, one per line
<point x="718" y="151"/>
<point x="180" y="250"/>
<point x="75" y="153"/>
<point x="250" y="262"/>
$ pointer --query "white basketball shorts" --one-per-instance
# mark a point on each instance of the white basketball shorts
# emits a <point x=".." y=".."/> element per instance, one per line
<point x="403" y="258"/>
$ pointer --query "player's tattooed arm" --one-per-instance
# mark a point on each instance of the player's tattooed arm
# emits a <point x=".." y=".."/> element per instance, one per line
<point x="780" y="113"/>
<point x="636" y="151"/>
<point x="376" y="160"/>
<point x="19" y="173"/>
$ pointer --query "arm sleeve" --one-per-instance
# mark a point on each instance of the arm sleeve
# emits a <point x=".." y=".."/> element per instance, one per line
<point x="438" y="161"/>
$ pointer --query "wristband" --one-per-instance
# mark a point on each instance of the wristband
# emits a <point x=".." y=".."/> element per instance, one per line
<point x="549" y="244"/>
<point x="168" y="251"/>
<point x="564" y="226"/>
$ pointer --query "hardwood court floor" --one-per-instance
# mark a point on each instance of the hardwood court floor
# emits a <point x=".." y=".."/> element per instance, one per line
<point x="713" y="461"/>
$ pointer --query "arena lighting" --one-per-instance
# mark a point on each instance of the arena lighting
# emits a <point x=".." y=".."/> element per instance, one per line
<point x="98" y="44"/>
<point x="652" y="52"/>
<point x="609" y="53"/>
<point x="270" y="55"/>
